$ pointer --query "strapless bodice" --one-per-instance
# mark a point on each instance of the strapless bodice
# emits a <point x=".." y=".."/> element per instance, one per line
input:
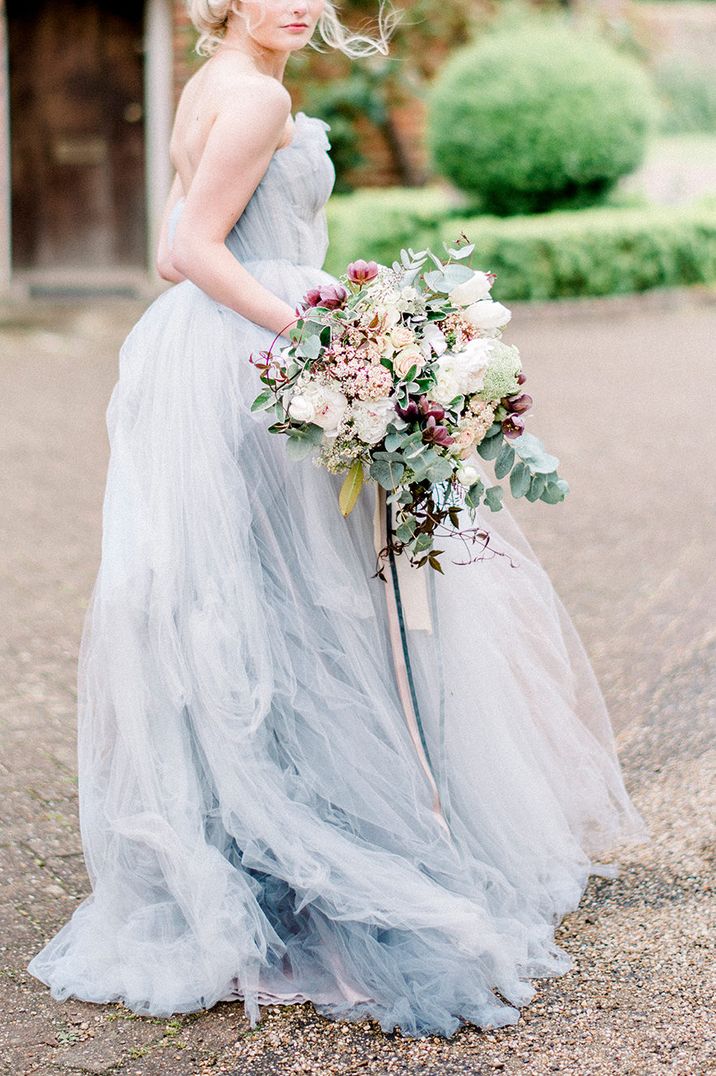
<point x="285" y="217"/>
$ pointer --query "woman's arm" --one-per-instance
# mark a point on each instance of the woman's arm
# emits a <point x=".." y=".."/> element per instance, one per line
<point x="238" y="150"/>
<point x="165" y="265"/>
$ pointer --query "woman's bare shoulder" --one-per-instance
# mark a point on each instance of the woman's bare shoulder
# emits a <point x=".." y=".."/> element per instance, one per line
<point x="225" y="83"/>
<point x="223" y="95"/>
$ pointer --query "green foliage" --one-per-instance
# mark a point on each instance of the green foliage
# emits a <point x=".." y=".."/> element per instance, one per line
<point x="537" y="116"/>
<point x="592" y="252"/>
<point x="548" y="256"/>
<point x="382" y="221"/>
<point x="532" y="471"/>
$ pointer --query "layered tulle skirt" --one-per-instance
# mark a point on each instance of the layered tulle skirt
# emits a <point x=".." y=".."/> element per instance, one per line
<point x="256" y="820"/>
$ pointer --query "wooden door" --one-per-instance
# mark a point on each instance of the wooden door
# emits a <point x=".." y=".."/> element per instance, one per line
<point x="77" y="133"/>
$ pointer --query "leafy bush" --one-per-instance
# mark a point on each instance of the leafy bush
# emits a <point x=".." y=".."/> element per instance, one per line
<point x="538" y="116"/>
<point x="379" y="220"/>
<point x="593" y="252"/>
<point x="549" y="256"/>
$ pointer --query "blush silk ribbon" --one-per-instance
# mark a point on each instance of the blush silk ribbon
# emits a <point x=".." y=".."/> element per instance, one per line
<point x="408" y="610"/>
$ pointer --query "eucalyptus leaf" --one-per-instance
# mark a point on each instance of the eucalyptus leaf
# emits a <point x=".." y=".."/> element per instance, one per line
<point x="537" y="486"/>
<point x="422" y="542"/>
<point x="393" y="439"/>
<point x="519" y="480"/>
<point x="440" y="470"/>
<point x="463" y="252"/>
<point x="530" y="449"/>
<point x="505" y="459"/>
<point x="490" y="447"/>
<point x="404" y="532"/>
<point x="387" y="473"/>
<point x="420" y="466"/>
<point x="493" y="498"/>
<point x="551" y="495"/>
<point x="474" y="494"/>
<point x="444" y="280"/>
<point x="310" y="347"/>
<point x="380" y="455"/>
<point x="298" y="447"/>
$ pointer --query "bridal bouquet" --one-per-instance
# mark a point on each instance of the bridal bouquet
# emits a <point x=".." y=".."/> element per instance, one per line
<point x="398" y="374"/>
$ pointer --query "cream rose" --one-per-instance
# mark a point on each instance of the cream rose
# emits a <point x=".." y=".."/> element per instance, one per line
<point x="401" y="336"/>
<point x="407" y="357"/>
<point x="447" y="386"/>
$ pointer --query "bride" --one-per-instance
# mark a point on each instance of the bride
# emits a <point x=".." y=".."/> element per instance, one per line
<point x="257" y="816"/>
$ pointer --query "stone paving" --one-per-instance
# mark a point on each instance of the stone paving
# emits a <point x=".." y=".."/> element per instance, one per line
<point x="623" y="394"/>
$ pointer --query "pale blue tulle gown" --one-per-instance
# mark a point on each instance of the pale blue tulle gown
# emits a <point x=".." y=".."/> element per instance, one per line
<point x="255" y="819"/>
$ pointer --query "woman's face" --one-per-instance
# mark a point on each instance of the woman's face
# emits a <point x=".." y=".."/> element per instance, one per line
<point x="280" y="24"/>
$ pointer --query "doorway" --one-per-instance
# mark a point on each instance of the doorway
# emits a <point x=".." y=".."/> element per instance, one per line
<point x="77" y="133"/>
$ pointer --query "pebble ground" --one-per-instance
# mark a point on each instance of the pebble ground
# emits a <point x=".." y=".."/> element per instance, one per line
<point x="623" y="394"/>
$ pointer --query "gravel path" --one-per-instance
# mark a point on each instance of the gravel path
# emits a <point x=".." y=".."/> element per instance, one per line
<point x="631" y="552"/>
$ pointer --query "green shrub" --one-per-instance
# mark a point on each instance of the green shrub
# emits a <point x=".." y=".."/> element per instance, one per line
<point x="592" y="252"/>
<point x="379" y="220"/>
<point x="553" y="255"/>
<point x="538" y="116"/>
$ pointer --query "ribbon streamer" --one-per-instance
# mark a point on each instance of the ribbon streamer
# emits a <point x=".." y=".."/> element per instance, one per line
<point x="408" y="608"/>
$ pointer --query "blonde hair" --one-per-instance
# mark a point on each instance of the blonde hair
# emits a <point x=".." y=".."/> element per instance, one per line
<point x="210" y="19"/>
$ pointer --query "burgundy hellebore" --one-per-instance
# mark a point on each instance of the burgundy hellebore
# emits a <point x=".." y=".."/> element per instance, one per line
<point x="513" y="426"/>
<point x="517" y="405"/>
<point x="360" y="271"/>
<point x="435" y="434"/>
<point x="430" y="407"/>
<point x="330" y="296"/>
<point x="409" y="413"/>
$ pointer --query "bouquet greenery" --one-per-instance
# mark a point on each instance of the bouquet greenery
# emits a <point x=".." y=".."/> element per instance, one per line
<point x="399" y="374"/>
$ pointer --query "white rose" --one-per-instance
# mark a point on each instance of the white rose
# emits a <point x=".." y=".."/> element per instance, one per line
<point x="407" y="357"/>
<point x="467" y="475"/>
<point x="487" y="314"/>
<point x="301" y="409"/>
<point x="371" y="418"/>
<point x="476" y="287"/>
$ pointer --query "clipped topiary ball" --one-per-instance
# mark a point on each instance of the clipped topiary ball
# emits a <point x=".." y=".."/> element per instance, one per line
<point x="538" y="116"/>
